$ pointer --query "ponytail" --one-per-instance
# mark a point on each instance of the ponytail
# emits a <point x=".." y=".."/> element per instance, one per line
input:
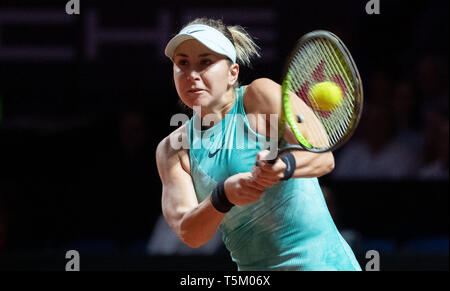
<point x="246" y="48"/>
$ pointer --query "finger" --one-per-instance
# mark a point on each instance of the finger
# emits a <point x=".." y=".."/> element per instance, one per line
<point x="276" y="168"/>
<point x="262" y="176"/>
<point x="256" y="171"/>
<point x="262" y="155"/>
<point x="252" y="186"/>
<point x="262" y="163"/>
<point x="269" y="175"/>
<point x="255" y="186"/>
<point x="263" y="158"/>
<point x="266" y="182"/>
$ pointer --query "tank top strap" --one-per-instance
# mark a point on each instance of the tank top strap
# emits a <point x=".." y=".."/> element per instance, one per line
<point x="240" y="100"/>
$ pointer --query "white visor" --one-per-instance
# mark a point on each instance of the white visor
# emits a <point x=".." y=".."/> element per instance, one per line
<point x="208" y="36"/>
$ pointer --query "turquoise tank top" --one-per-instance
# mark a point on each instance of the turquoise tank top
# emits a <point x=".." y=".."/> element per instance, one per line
<point x="289" y="227"/>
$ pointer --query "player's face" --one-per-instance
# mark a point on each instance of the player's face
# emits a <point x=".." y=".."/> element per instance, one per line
<point x="201" y="76"/>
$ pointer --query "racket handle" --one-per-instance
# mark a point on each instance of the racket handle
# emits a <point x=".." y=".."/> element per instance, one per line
<point x="272" y="161"/>
<point x="268" y="161"/>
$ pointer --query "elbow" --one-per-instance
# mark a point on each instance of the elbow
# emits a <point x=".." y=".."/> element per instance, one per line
<point x="330" y="164"/>
<point x="189" y="238"/>
<point x="330" y="168"/>
<point x="182" y="225"/>
<point x="193" y="244"/>
<point x="327" y="165"/>
<point x="191" y="241"/>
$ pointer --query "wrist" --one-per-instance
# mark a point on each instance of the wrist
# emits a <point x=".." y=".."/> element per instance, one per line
<point x="219" y="199"/>
<point x="289" y="159"/>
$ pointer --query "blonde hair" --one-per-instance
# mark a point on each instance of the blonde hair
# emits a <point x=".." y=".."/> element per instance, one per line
<point x="246" y="48"/>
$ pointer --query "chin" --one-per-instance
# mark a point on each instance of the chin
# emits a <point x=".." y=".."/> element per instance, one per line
<point x="200" y="102"/>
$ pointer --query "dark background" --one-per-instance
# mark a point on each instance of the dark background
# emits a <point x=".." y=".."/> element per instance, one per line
<point x="80" y="122"/>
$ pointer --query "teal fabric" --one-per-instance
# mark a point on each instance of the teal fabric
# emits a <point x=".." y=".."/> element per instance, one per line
<point x="289" y="227"/>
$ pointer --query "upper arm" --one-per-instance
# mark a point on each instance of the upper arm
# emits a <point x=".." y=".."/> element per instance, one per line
<point x="262" y="105"/>
<point x="263" y="99"/>
<point x="178" y="193"/>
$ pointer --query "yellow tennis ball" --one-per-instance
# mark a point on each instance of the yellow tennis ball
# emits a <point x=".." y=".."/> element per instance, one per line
<point x="325" y="96"/>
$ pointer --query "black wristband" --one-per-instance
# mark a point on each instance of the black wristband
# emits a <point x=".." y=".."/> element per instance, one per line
<point x="289" y="160"/>
<point x="219" y="200"/>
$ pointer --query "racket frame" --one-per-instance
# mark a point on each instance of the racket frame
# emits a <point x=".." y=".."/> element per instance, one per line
<point x="286" y="112"/>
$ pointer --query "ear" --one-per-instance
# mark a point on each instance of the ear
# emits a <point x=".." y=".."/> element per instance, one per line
<point x="233" y="74"/>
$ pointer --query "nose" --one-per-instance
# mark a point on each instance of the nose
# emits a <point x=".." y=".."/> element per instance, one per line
<point x="193" y="75"/>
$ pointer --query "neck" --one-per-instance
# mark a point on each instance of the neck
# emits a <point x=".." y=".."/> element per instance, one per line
<point x="216" y="111"/>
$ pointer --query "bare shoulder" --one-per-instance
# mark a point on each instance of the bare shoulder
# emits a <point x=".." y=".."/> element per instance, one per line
<point x="263" y="96"/>
<point x="172" y="151"/>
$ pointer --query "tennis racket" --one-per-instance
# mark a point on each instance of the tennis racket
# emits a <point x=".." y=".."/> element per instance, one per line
<point x="319" y="57"/>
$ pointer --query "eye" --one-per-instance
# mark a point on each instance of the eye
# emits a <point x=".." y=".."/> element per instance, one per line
<point x="182" y="62"/>
<point x="206" y="62"/>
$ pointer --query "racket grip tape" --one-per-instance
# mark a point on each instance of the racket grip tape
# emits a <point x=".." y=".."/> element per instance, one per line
<point x="272" y="161"/>
<point x="257" y="163"/>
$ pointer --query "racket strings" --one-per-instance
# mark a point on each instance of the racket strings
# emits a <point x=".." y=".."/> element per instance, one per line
<point x="303" y="82"/>
<point x="337" y="113"/>
<point x="317" y="77"/>
<point x="330" y="126"/>
<point x="346" y="110"/>
<point x="327" y="61"/>
<point x="311" y="127"/>
<point x="332" y="123"/>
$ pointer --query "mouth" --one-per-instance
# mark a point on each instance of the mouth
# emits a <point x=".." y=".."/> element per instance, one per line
<point x="196" y="90"/>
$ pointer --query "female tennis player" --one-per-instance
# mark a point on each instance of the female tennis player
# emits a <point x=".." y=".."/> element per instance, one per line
<point x="273" y="216"/>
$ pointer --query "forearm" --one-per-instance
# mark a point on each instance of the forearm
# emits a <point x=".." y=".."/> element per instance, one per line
<point x="310" y="164"/>
<point x="200" y="224"/>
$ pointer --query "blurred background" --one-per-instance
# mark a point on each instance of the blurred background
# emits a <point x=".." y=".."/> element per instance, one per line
<point x="85" y="100"/>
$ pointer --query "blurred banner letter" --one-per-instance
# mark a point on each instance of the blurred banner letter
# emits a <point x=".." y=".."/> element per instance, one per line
<point x="374" y="263"/>
<point x="74" y="263"/>
<point x="373" y="7"/>
<point x="73" y="7"/>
